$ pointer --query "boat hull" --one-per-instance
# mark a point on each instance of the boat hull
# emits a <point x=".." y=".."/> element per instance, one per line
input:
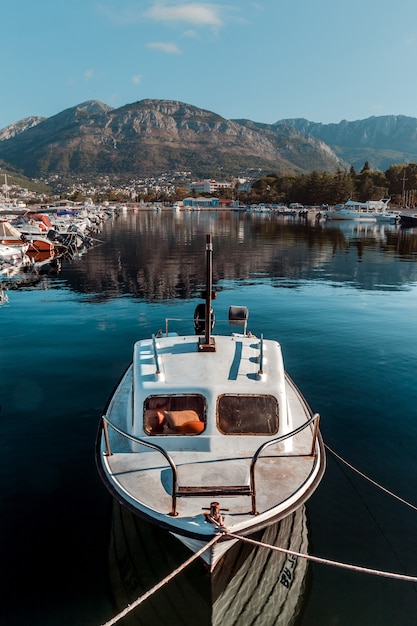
<point x="254" y="584"/>
<point x="351" y="215"/>
<point x="408" y="220"/>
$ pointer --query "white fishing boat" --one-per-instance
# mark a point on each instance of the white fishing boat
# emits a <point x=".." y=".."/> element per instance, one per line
<point x="207" y="436"/>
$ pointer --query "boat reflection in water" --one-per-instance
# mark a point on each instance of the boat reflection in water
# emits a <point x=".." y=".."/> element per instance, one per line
<point x="254" y="585"/>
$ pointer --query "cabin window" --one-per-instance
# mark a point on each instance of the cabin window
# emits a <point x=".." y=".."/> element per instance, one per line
<point x="174" y="415"/>
<point x="247" y="415"/>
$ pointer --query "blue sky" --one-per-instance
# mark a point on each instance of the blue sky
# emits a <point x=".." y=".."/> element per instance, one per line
<point x="264" y="60"/>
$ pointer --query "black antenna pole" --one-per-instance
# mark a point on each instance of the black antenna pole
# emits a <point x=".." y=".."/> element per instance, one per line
<point x="209" y="343"/>
<point x="209" y="284"/>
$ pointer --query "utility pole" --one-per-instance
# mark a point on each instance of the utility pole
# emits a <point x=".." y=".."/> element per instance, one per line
<point x="404" y="179"/>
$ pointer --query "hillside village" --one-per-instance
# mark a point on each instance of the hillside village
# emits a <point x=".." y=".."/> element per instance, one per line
<point x="166" y="187"/>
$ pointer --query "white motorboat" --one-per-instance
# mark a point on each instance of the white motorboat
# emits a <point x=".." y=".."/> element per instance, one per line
<point x="207" y="436"/>
<point x="370" y="211"/>
<point x="11" y="240"/>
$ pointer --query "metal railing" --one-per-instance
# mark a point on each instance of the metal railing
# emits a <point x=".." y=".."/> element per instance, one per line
<point x="147" y="444"/>
<point x="219" y="321"/>
<point x="314" y="419"/>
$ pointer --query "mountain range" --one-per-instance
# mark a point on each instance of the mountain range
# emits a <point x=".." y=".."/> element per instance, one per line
<point x="150" y="137"/>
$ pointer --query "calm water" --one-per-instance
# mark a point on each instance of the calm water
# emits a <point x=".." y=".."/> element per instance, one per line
<point x="342" y="301"/>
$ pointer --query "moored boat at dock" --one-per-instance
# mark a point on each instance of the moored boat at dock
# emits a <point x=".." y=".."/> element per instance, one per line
<point x="408" y="219"/>
<point x="372" y="210"/>
<point x="207" y="436"/>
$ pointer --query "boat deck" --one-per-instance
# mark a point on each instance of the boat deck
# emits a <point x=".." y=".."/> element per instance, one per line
<point x="278" y="478"/>
<point x="144" y="478"/>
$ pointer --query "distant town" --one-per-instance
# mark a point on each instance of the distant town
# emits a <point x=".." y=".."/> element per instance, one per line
<point x="167" y="187"/>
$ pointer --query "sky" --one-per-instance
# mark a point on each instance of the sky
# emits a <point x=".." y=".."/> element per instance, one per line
<point x="264" y="60"/>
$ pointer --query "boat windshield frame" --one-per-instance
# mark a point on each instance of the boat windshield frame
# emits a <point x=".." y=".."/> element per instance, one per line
<point x="174" y="414"/>
<point x="247" y="414"/>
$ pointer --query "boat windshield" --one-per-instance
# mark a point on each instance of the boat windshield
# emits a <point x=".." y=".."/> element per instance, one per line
<point x="174" y="415"/>
<point x="247" y="415"/>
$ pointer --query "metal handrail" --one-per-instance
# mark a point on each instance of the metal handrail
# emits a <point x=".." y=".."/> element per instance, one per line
<point x="187" y="319"/>
<point x="314" y="418"/>
<point x="147" y="444"/>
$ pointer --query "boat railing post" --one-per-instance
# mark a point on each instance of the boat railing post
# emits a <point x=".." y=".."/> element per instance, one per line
<point x="253" y="489"/>
<point x="261" y="356"/>
<point x="315" y="433"/>
<point x="173" y="512"/>
<point x="106" y="437"/>
<point x="156" y="356"/>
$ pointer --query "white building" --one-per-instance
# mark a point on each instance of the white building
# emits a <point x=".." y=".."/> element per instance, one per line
<point x="209" y="186"/>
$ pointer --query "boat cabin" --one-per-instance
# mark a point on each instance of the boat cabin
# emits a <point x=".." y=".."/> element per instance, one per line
<point x="236" y="414"/>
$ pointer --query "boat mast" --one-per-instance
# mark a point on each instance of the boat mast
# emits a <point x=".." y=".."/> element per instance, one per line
<point x="209" y="344"/>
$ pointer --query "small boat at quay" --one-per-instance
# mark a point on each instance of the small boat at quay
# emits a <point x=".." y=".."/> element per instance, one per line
<point x="372" y="210"/>
<point x="408" y="219"/>
<point x="207" y="436"/>
<point x="11" y="239"/>
<point x="12" y="252"/>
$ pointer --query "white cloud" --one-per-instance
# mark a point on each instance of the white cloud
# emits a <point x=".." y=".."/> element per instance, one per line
<point x="169" y="48"/>
<point x="196" y="13"/>
<point x="136" y="79"/>
<point x="192" y="34"/>
<point x="88" y="75"/>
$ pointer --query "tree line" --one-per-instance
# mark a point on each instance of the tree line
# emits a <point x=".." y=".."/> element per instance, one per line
<point x="399" y="182"/>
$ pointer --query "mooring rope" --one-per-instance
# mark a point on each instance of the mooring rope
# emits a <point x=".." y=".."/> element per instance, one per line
<point x="318" y="559"/>
<point x="309" y="557"/>
<point x="163" y="582"/>
<point x="373" y="482"/>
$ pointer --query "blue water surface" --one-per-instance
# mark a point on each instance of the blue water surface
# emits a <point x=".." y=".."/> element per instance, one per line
<point x="341" y="301"/>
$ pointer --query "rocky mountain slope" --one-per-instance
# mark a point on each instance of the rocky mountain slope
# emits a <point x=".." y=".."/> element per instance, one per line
<point x="150" y="137"/>
<point x="380" y="140"/>
<point x="19" y="127"/>
<point x="154" y="136"/>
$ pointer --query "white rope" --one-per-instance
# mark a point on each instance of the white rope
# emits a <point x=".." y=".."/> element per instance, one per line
<point x="317" y="559"/>
<point x="393" y="495"/>
<point x="309" y="557"/>
<point x="163" y="582"/>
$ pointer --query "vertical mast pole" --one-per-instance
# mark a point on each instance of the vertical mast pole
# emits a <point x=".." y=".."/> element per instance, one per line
<point x="208" y="344"/>
<point x="209" y="286"/>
